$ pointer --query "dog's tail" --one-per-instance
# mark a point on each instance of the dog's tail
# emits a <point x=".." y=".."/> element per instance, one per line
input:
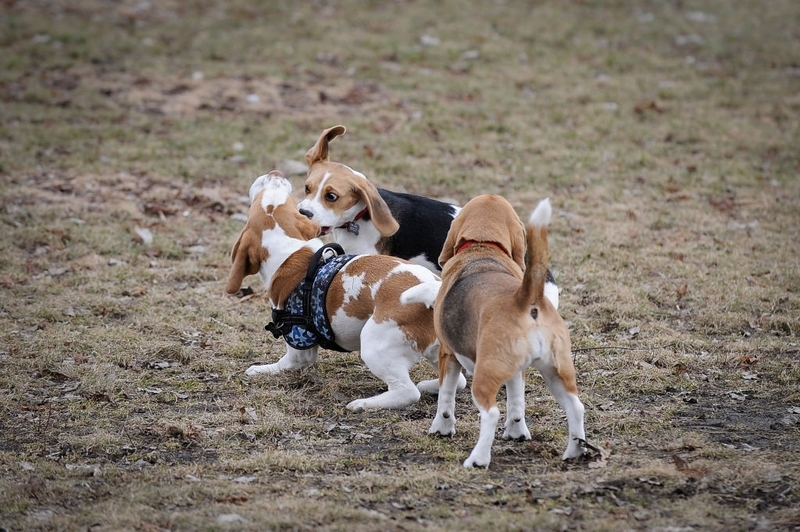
<point x="424" y="293"/>
<point x="532" y="289"/>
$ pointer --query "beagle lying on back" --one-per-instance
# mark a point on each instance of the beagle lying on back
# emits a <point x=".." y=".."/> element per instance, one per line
<point x="355" y="307"/>
<point x="371" y="220"/>
<point x="492" y="318"/>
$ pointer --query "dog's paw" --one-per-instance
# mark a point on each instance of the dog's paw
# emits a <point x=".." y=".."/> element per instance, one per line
<point x="574" y="450"/>
<point x="516" y="430"/>
<point x="430" y="387"/>
<point x="444" y="426"/>
<point x="478" y="460"/>
<point x="359" y="405"/>
<point x="257" y="369"/>
<point x="462" y="381"/>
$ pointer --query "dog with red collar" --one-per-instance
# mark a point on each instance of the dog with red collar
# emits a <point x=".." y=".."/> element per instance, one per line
<point x="363" y="218"/>
<point x="355" y="307"/>
<point x="493" y="319"/>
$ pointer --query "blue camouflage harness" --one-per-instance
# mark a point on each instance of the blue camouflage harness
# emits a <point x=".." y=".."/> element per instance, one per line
<point x="303" y="322"/>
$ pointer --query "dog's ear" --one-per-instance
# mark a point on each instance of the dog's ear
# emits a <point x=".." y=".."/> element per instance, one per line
<point x="246" y="259"/>
<point x="319" y="152"/>
<point x="378" y="209"/>
<point x="308" y="228"/>
<point x="450" y="243"/>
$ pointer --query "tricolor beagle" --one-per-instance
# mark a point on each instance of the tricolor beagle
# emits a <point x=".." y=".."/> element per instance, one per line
<point x="371" y="220"/>
<point x="367" y="219"/>
<point x="492" y="318"/>
<point x="361" y="300"/>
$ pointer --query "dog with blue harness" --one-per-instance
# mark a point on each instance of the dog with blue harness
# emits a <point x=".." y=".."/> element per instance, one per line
<point x="303" y="322"/>
<point x="323" y="298"/>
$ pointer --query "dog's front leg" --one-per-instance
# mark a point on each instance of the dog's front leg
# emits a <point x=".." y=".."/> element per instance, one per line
<point x="294" y="359"/>
<point x="516" y="429"/>
<point x="445" y="421"/>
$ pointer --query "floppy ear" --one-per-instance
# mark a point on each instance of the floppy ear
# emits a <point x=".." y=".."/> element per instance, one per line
<point x="319" y="153"/>
<point x="378" y="210"/>
<point x="308" y="228"/>
<point x="246" y="261"/>
<point x="449" y="247"/>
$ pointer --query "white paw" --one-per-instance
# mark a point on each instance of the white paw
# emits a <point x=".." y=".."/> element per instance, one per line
<point x="359" y="405"/>
<point x="574" y="450"/>
<point x="257" y="369"/>
<point x="516" y="430"/>
<point x="477" y="459"/>
<point x="445" y="426"/>
<point x="429" y="387"/>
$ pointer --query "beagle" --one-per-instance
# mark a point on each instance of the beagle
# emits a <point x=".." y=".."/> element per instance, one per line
<point x="371" y="220"/>
<point x="492" y="318"/>
<point x="361" y="300"/>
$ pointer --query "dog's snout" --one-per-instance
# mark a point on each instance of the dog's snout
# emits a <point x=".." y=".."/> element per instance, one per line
<point x="308" y="214"/>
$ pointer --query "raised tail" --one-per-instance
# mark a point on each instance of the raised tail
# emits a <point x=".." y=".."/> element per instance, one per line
<point x="532" y="289"/>
<point x="424" y="293"/>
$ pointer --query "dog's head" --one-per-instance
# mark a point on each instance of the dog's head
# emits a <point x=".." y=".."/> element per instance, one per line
<point x="487" y="218"/>
<point x="336" y="194"/>
<point x="273" y="221"/>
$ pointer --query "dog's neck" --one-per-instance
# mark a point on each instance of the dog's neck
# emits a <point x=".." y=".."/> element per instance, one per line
<point x="352" y="226"/>
<point x="469" y="243"/>
<point x="285" y="268"/>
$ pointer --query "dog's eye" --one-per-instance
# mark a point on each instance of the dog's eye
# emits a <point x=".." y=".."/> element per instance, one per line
<point x="308" y="190"/>
<point x="330" y="196"/>
<point x="534" y="313"/>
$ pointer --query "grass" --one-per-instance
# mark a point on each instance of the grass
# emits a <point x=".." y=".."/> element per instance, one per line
<point x="665" y="135"/>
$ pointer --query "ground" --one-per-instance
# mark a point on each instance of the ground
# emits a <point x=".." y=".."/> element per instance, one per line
<point x="665" y="135"/>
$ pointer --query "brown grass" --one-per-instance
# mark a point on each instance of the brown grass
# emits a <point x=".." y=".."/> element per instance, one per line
<point x="665" y="134"/>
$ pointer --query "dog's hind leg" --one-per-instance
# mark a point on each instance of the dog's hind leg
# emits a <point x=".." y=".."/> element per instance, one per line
<point x="485" y="386"/>
<point x="294" y="359"/>
<point x="389" y="356"/>
<point x="565" y="392"/>
<point x="516" y="429"/>
<point x="445" y="421"/>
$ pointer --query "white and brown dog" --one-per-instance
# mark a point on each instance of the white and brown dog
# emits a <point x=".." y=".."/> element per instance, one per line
<point x="358" y="310"/>
<point x="492" y="318"/>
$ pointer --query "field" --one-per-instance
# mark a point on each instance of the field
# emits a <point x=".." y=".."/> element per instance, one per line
<point x="666" y="135"/>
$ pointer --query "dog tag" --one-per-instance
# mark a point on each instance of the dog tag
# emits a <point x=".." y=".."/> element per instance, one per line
<point x="352" y="227"/>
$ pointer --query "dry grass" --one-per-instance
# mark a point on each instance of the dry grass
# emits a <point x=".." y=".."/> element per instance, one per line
<point x="665" y="134"/>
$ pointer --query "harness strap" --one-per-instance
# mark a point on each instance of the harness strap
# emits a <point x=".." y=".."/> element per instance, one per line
<point x="303" y="322"/>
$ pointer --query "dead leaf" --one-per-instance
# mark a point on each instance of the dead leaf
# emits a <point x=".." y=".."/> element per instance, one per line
<point x="682" y="466"/>
<point x="652" y="105"/>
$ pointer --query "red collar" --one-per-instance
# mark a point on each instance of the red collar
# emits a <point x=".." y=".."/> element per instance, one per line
<point x="352" y="226"/>
<point x="357" y="218"/>
<point x="470" y="243"/>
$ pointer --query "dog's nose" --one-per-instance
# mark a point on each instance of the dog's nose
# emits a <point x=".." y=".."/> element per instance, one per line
<point x="306" y="213"/>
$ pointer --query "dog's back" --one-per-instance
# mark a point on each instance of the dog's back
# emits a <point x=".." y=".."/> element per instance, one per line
<point x="423" y="227"/>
